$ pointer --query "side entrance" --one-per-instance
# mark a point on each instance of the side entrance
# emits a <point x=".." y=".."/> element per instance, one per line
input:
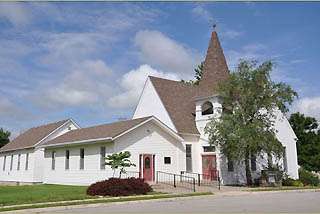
<point x="209" y="167"/>
<point x="147" y="166"/>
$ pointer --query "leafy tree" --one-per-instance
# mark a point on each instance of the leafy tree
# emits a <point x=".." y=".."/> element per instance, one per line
<point x="119" y="160"/>
<point x="4" y="137"/>
<point x="250" y="100"/>
<point x="308" y="142"/>
<point x="198" y="75"/>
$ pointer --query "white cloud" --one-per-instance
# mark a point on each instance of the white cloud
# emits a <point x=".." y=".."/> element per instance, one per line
<point x="7" y="108"/>
<point x="309" y="106"/>
<point x="254" y="51"/>
<point x="86" y="83"/>
<point x="169" y="55"/>
<point x="16" y="13"/>
<point x="132" y="85"/>
<point x="200" y="12"/>
<point x="10" y="110"/>
<point x="231" y="34"/>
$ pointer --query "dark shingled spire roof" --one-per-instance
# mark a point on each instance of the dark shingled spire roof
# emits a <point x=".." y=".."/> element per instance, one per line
<point x="179" y="98"/>
<point x="215" y="68"/>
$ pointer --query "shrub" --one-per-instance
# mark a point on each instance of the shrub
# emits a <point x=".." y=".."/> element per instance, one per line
<point x="288" y="181"/>
<point x="297" y="183"/>
<point x="291" y="182"/>
<point x="119" y="187"/>
<point x="308" y="178"/>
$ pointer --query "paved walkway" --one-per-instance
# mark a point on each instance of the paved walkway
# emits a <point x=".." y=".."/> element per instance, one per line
<point x="189" y="188"/>
<point x="244" y="202"/>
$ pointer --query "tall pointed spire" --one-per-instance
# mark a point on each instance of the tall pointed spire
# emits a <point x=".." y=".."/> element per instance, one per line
<point x="215" y="67"/>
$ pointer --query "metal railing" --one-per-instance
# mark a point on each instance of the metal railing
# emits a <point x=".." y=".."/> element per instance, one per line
<point x="176" y="180"/>
<point x="130" y="174"/>
<point x="205" y="179"/>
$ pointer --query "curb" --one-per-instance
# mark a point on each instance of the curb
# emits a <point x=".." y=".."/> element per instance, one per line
<point x="286" y="190"/>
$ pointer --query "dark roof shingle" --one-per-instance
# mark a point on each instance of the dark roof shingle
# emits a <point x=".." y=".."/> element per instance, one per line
<point x="179" y="98"/>
<point x="32" y="136"/>
<point x="96" y="132"/>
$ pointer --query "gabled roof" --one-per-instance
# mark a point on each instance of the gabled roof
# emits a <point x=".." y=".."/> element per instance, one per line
<point x="106" y="131"/>
<point x="32" y="136"/>
<point x="179" y="98"/>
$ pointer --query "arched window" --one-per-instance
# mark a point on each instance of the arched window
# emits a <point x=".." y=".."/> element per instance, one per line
<point x="207" y="108"/>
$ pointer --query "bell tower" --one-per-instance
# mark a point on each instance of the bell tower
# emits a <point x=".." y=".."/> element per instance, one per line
<point x="215" y="71"/>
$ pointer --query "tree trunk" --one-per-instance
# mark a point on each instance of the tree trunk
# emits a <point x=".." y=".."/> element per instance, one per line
<point x="248" y="170"/>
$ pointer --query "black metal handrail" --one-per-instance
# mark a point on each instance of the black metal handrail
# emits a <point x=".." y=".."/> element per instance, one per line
<point x="176" y="180"/>
<point x="130" y="174"/>
<point x="204" y="179"/>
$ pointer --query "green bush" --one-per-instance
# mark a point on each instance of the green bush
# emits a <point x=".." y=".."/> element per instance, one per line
<point x="287" y="181"/>
<point x="291" y="182"/>
<point x="297" y="183"/>
<point x="308" y="178"/>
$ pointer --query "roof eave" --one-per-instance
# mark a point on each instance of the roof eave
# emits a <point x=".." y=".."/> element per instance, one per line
<point x="79" y="142"/>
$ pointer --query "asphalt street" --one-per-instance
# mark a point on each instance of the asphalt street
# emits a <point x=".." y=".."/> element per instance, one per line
<point x="256" y="202"/>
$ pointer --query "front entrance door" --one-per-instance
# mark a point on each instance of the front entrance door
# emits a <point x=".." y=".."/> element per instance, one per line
<point x="209" y="167"/>
<point x="148" y="167"/>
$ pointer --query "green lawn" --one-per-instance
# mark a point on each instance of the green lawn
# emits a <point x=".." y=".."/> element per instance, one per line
<point x="12" y="195"/>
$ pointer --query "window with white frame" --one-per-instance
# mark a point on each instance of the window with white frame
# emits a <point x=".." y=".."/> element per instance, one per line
<point x="285" y="161"/>
<point x="188" y="157"/>
<point x="230" y="165"/>
<point x="167" y="160"/>
<point x="27" y="161"/>
<point x="209" y="149"/>
<point x="4" y="163"/>
<point x="11" y="163"/>
<point x="53" y="160"/>
<point x="67" y="160"/>
<point x="19" y="157"/>
<point x="102" y="157"/>
<point x="253" y="163"/>
<point x="82" y="158"/>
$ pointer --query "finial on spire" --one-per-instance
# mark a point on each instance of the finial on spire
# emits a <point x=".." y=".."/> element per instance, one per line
<point x="214" y="25"/>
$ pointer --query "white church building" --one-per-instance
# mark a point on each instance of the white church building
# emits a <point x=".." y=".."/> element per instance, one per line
<point x="165" y="134"/>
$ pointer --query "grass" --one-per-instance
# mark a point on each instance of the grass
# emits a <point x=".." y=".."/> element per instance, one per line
<point x="283" y="188"/>
<point x="14" y="195"/>
<point x="104" y="200"/>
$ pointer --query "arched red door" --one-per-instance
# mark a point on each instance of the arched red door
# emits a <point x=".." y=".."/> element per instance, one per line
<point x="148" y="167"/>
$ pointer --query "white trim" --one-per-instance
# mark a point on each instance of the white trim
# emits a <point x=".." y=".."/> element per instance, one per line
<point x="189" y="134"/>
<point x="163" y="105"/>
<point x="39" y="142"/>
<point x="74" y="123"/>
<point x="135" y="109"/>
<point x="207" y="97"/>
<point x="159" y="123"/>
<point x="96" y="140"/>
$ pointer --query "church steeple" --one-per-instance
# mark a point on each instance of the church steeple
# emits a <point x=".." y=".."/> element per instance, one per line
<point x="215" y="67"/>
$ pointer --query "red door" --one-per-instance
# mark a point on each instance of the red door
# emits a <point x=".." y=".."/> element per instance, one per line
<point x="209" y="167"/>
<point x="148" y="167"/>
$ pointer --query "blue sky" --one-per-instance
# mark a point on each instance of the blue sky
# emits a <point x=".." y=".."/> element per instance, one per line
<point x="89" y="61"/>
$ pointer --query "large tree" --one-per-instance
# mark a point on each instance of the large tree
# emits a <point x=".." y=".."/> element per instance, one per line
<point x="250" y="100"/>
<point x="4" y="137"/>
<point x="308" y="142"/>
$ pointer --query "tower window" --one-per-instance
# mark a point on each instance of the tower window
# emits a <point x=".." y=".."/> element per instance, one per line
<point x="207" y="108"/>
